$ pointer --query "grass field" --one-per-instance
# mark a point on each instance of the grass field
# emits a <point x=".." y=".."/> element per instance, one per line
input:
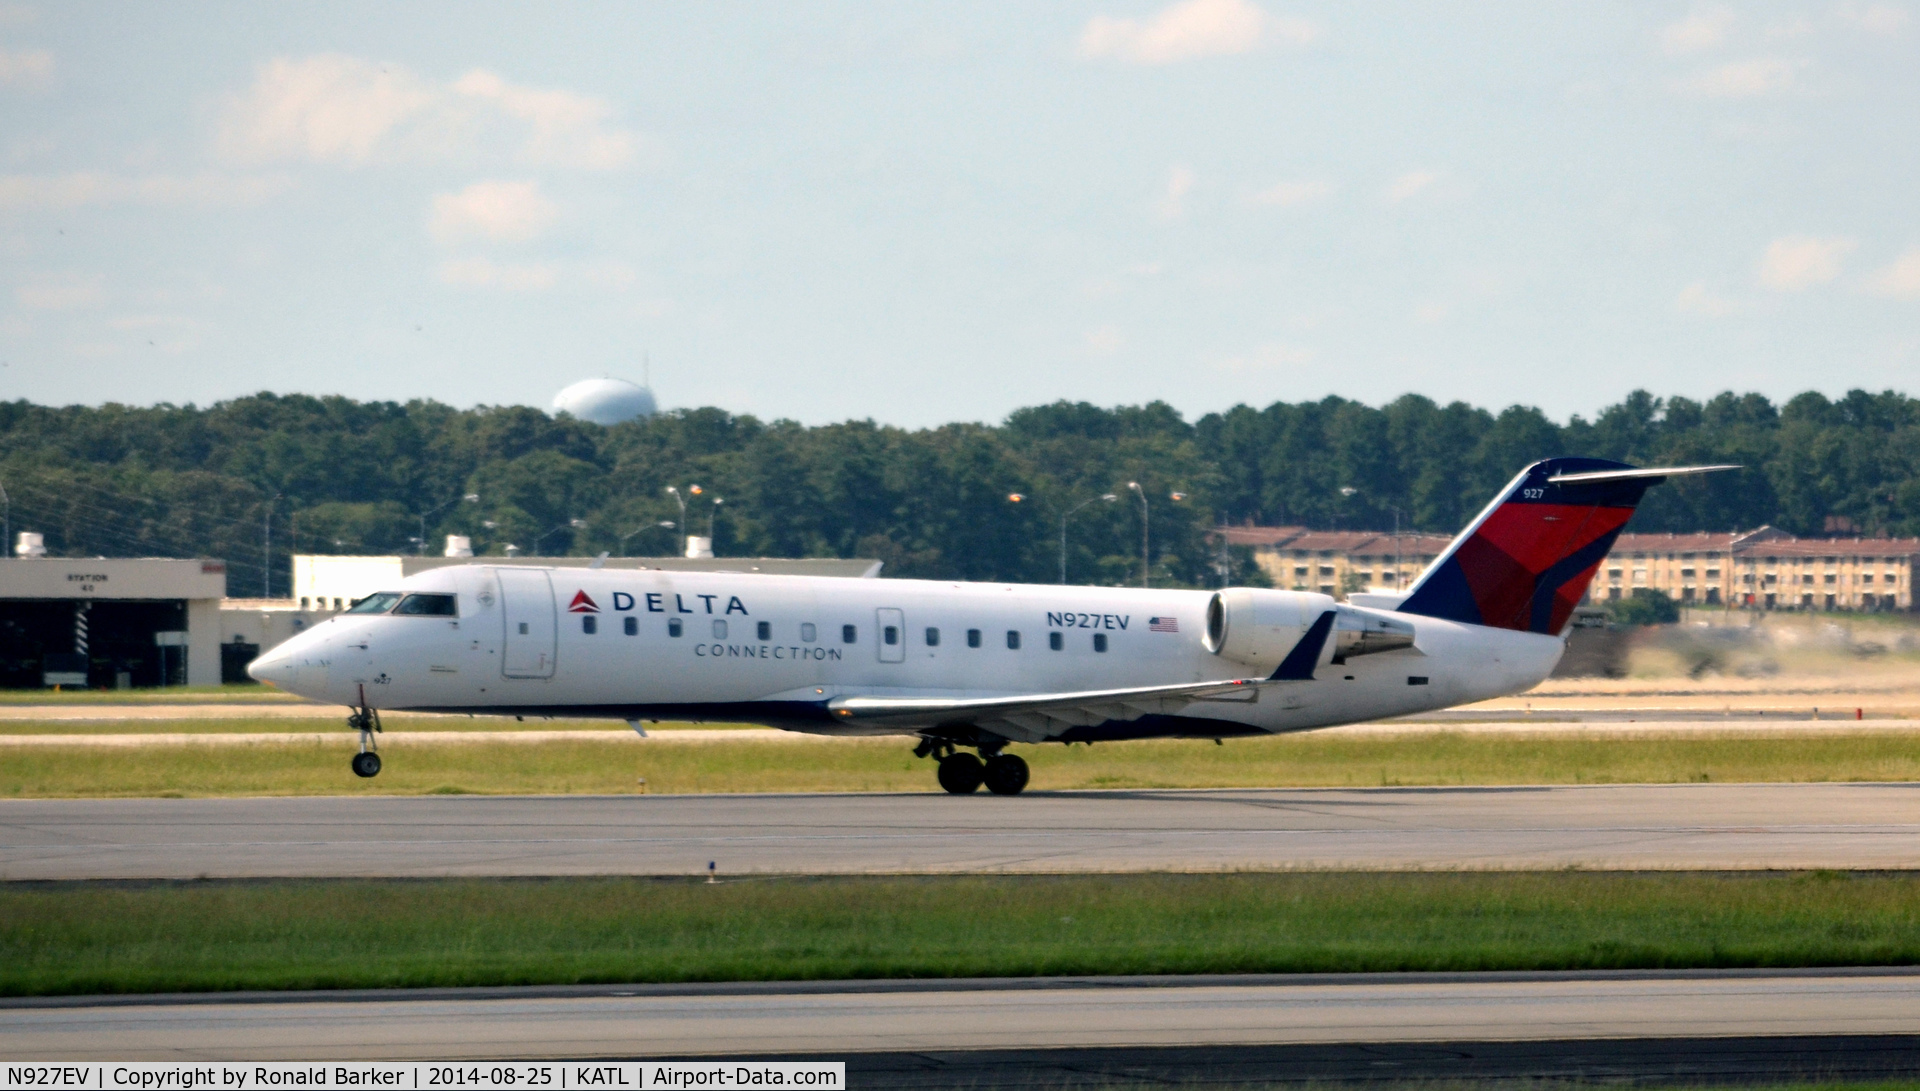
<point x="84" y="937"/>
<point x="618" y="763"/>
<point x="195" y="695"/>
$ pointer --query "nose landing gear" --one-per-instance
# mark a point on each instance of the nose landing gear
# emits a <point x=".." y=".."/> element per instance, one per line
<point x="366" y="721"/>
<point x="963" y="774"/>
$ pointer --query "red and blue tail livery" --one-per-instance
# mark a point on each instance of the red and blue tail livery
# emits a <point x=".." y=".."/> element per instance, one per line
<point x="1525" y="563"/>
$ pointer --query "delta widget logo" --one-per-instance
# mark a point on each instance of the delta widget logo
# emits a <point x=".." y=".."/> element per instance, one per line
<point x="582" y="604"/>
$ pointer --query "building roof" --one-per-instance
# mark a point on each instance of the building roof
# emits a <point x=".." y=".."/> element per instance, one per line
<point x="1675" y="543"/>
<point x="1834" y="547"/>
<point x="1363" y="542"/>
<point x="1259" y="536"/>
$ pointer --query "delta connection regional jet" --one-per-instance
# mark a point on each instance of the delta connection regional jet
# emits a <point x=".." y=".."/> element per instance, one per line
<point x="978" y="666"/>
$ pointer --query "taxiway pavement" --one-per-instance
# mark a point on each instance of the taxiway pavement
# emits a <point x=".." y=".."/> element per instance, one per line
<point x="1671" y="826"/>
<point x="838" y="1018"/>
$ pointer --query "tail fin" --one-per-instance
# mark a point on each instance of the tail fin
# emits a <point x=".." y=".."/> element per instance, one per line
<point x="1526" y="561"/>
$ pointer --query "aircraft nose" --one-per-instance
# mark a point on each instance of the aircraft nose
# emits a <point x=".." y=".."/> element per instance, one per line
<point x="276" y="666"/>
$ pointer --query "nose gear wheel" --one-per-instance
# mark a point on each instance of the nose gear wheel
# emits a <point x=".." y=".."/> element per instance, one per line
<point x="366" y="720"/>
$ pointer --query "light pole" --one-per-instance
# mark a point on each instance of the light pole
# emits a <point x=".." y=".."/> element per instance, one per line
<point x="668" y="523"/>
<point x="6" y="522"/>
<point x="266" y="546"/>
<point x="717" y="501"/>
<point x="674" y="492"/>
<point x="1146" y="515"/>
<point x="1064" y="516"/>
<point x="420" y="543"/>
<point x="576" y="524"/>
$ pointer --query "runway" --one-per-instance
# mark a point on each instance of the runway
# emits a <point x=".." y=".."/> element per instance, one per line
<point x="934" y="1020"/>
<point x="1675" y="826"/>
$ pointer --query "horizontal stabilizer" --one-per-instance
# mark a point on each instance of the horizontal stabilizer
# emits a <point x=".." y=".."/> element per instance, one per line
<point x="1651" y="476"/>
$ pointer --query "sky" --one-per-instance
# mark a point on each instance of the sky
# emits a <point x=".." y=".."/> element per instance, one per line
<point x="931" y="212"/>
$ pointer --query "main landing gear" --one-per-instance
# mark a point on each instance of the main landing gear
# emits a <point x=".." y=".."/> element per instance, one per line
<point x="366" y="721"/>
<point x="963" y="774"/>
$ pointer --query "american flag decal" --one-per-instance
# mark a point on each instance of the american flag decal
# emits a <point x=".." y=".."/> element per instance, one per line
<point x="1163" y="624"/>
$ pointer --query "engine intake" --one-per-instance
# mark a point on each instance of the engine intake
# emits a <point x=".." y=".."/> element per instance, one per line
<point x="1258" y="627"/>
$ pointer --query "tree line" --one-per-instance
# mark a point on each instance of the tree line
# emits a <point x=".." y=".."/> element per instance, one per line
<point x="333" y="475"/>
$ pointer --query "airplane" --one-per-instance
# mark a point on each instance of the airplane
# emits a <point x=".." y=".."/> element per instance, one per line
<point x="978" y="666"/>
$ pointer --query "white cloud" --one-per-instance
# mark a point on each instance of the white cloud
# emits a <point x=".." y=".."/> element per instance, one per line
<point x="20" y="191"/>
<point x="1105" y="341"/>
<point x="345" y="110"/>
<point x="606" y="275"/>
<point x="1746" y="79"/>
<point x="568" y="129"/>
<point x="1797" y="262"/>
<point x="501" y="211"/>
<point x="1429" y="313"/>
<point x="1273" y="356"/>
<point x="1697" y="298"/>
<point x="61" y="291"/>
<point x="484" y="273"/>
<point x="1410" y="184"/>
<point x="1173" y="205"/>
<point x="1289" y="194"/>
<point x="25" y="68"/>
<point x="1190" y="30"/>
<point x="1704" y="29"/>
<point x="1882" y="19"/>
<point x="1901" y="280"/>
<point x="171" y="334"/>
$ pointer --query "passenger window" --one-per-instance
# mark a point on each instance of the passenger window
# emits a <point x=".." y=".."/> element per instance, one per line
<point x="523" y="628"/>
<point x="719" y="629"/>
<point x="933" y="638"/>
<point x="631" y="625"/>
<point x="378" y="603"/>
<point x="1099" y="642"/>
<point x="589" y="624"/>
<point x="1056" y="641"/>
<point x="849" y="634"/>
<point x="807" y="632"/>
<point x="973" y="638"/>
<point x="765" y="630"/>
<point x="673" y="627"/>
<point x="429" y="606"/>
<point x="890" y="634"/>
<point x="1013" y="640"/>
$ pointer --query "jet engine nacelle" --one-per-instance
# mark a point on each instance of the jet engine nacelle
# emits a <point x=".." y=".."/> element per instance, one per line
<point x="1258" y="628"/>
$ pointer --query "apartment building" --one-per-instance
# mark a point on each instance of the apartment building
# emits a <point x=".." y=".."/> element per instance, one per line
<point x="1764" y="569"/>
<point x="1334" y="562"/>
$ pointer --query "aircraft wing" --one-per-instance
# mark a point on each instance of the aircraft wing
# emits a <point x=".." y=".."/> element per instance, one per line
<point x="1041" y="716"/>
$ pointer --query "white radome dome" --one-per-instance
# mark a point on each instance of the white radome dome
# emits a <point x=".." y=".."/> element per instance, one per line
<point x="605" y="401"/>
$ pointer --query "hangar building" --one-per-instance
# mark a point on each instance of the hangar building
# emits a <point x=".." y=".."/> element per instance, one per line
<point x="110" y="623"/>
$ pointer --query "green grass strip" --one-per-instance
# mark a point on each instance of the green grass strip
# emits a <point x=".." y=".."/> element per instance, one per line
<point x="619" y="762"/>
<point x="138" y="937"/>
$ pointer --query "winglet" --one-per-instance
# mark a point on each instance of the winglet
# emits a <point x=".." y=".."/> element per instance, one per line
<point x="1299" y="664"/>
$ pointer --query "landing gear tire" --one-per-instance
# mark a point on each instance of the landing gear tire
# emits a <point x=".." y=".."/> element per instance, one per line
<point x="1005" y="775"/>
<point x="961" y="773"/>
<point x="366" y="764"/>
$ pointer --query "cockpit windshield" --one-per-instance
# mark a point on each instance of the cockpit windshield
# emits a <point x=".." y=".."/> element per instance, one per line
<point x="377" y="603"/>
<point x="429" y="606"/>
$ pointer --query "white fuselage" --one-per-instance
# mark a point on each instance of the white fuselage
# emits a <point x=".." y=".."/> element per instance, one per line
<point x="776" y="649"/>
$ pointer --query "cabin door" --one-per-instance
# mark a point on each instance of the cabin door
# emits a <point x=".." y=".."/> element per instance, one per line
<point x="893" y="635"/>
<point x="526" y="601"/>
